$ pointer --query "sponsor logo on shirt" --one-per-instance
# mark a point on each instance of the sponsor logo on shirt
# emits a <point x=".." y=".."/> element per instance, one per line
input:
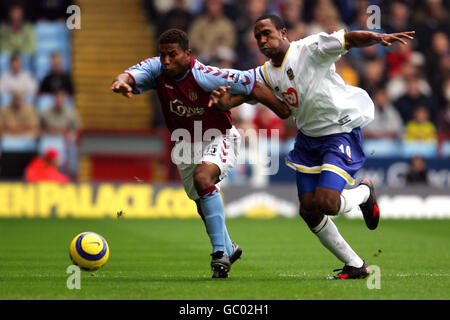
<point x="233" y="77"/>
<point x="291" y="97"/>
<point x="177" y="107"/>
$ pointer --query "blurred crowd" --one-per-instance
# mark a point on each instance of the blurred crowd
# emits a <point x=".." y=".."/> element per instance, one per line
<point x="36" y="91"/>
<point x="409" y="84"/>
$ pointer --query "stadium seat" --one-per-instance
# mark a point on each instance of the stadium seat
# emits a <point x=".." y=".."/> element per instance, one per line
<point x="4" y="61"/>
<point x="445" y="149"/>
<point x="51" y="37"/>
<point x="382" y="148"/>
<point x="17" y="143"/>
<point x="44" y="101"/>
<point x="418" y="148"/>
<point x="6" y="99"/>
<point x="50" y="30"/>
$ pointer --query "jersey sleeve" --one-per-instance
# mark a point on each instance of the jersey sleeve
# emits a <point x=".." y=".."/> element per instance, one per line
<point x="144" y="74"/>
<point x="327" y="47"/>
<point x="210" y="78"/>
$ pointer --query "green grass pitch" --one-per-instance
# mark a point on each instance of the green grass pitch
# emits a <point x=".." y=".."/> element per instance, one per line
<point x="168" y="259"/>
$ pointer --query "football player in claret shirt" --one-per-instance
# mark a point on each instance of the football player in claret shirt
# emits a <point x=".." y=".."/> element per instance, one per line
<point x="183" y="85"/>
<point x="328" y="149"/>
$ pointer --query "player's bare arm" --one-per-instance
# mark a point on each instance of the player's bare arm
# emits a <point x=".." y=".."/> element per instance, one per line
<point x="358" y="39"/>
<point x="122" y="84"/>
<point x="225" y="101"/>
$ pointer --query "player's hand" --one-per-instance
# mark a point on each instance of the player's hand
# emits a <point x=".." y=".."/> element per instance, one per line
<point x="216" y="95"/>
<point x="120" y="86"/>
<point x="386" y="39"/>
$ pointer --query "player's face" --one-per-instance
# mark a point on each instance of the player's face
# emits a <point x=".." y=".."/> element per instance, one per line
<point x="269" y="39"/>
<point x="174" y="59"/>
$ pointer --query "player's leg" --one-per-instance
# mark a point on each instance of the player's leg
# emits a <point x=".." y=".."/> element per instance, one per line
<point x="205" y="178"/>
<point x="186" y="171"/>
<point x="317" y="219"/>
<point x="343" y="157"/>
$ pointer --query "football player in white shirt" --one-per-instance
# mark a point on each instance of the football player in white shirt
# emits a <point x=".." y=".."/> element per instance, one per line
<point x="328" y="149"/>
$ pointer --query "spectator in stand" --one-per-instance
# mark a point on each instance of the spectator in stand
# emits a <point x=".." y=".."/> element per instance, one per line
<point x="52" y="9"/>
<point x="60" y="119"/>
<point x="345" y="70"/>
<point x="412" y="98"/>
<point x="444" y="114"/>
<point x="211" y="31"/>
<point x="17" y="35"/>
<point x="399" y="18"/>
<point x="266" y="119"/>
<point x="224" y="58"/>
<point x="249" y="12"/>
<point x="19" y="118"/>
<point x="439" y="50"/>
<point x="397" y="86"/>
<point x="297" y="31"/>
<point x="417" y="173"/>
<point x="177" y="17"/>
<point x="420" y="128"/>
<point x="373" y="76"/>
<point x="45" y="168"/>
<point x="326" y="18"/>
<point x="396" y="59"/>
<point x="430" y="18"/>
<point x="57" y="79"/>
<point x="17" y="79"/>
<point x="388" y="122"/>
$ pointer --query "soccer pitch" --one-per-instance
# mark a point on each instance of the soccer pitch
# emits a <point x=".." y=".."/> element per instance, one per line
<point x="168" y="259"/>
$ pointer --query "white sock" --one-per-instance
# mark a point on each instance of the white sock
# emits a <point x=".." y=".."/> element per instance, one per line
<point x="350" y="198"/>
<point x="330" y="237"/>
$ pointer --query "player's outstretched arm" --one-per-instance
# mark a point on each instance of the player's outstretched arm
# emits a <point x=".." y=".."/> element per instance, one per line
<point x="122" y="84"/>
<point x="225" y="101"/>
<point x="264" y="95"/>
<point x="358" y="39"/>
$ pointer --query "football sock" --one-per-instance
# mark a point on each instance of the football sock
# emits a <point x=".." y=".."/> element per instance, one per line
<point x="212" y="208"/>
<point x="228" y="243"/>
<point x="350" y="198"/>
<point x="330" y="237"/>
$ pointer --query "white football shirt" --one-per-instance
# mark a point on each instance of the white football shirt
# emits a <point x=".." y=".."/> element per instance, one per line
<point x="320" y="101"/>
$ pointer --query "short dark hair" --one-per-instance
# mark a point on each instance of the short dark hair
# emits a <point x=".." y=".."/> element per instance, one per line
<point x="175" y="36"/>
<point x="277" y="21"/>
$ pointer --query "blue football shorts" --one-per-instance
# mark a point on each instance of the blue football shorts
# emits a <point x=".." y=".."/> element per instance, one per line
<point x="330" y="161"/>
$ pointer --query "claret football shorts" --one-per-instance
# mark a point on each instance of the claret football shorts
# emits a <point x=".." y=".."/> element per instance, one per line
<point x="330" y="161"/>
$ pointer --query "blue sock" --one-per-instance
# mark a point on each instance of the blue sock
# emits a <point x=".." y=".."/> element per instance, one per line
<point x="228" y="243"/>
<point x="212" y="208"/>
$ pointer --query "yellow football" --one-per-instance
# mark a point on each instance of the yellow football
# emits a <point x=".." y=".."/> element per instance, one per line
<point x="89" y="251"/>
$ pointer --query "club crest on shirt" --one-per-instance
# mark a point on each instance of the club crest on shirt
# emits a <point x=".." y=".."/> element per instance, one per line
<point x="192" y="94"/>
<point x="290" y="74"/>
<point x="291" y="97"/>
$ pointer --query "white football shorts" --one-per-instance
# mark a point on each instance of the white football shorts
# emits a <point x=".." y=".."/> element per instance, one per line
<point x="223" y="151"/>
